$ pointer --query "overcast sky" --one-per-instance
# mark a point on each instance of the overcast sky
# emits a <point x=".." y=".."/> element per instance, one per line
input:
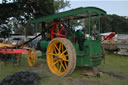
<point x="119" y="7"/>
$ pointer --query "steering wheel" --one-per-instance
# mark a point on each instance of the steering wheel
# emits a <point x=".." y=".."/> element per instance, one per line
<point x="58" y="30"/>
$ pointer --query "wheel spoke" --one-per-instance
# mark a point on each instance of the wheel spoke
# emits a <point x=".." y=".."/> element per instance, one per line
<point x="61" y="29"/>
<point x="65" y="60"/>
<point x="57" y="28"/>
<point x="29" y="57"/>
<point x="66" y="55"/>
<point x="33" y="58"/>
<point x="60" y="35"/>
<point x="60" y="46"/>
<point x="57" y="65"/>
<point x="30" y="54"/>
<point x="65" y="64"/>
<point x="54" y="33"/>
<point x="55" y="62"/>
<point x="56" y="47"/>
<point x="54" y="59"/>
<point x="63" y="52"/>
<point x="62" y="66"/>
<point x="55" y="50"/>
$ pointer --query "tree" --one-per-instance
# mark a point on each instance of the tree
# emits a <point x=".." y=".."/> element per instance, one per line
<point x="23" y="11"/>
<point x="114" y="23"/>
<point x="60" y="4"/>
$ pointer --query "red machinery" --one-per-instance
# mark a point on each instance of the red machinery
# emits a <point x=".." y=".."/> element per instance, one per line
<point x="11" y="53"/>
<point x="110" y="36"/>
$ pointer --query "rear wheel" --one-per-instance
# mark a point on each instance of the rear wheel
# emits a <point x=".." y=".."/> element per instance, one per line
<point x="61" y="57"/>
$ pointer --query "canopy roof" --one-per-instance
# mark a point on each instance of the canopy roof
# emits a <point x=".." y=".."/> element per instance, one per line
<point x="78" y="13"/>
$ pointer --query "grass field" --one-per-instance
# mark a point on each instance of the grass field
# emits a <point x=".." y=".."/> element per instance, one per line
<point x="113" y="72"/>
<point x="10" y="69"/>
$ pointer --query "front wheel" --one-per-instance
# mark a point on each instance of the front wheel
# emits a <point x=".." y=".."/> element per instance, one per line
<point x="61" y="56"/>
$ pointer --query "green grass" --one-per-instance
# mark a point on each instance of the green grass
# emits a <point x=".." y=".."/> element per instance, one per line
<point x="10" y="69"/>
<point x="114" y="64"/>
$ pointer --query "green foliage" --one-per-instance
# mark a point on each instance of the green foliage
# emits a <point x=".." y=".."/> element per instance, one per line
<point x="30" y="9"/>
<point x="111" y="23"/>
<point x="114" y="23"/>
<point x="60" y="4"/>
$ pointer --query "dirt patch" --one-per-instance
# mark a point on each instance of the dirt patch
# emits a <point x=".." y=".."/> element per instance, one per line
<point x="48" y="78"/>
<point x="76" y="78"/>
<point x="116" y="75"/>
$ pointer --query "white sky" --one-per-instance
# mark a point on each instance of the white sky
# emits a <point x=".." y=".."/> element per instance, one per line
<point x="118" y="7"/>
<point x="8" y="1"/>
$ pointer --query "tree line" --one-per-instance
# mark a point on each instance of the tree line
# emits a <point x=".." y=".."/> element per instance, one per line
<point x="15" y="16"/>
<point x="115" y="23"/>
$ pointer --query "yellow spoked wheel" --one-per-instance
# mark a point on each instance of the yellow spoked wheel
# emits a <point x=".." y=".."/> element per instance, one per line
<point x="61" y="56"/>
<point x="31" y="57"/>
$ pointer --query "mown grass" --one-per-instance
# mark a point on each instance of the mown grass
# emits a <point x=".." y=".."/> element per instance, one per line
<point x="10" y="68"/>
<point x="114" y="64"/>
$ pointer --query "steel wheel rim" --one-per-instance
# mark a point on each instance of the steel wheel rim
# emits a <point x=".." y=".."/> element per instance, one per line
<point x="57" y="58"/>
<point x="68" y="51"/>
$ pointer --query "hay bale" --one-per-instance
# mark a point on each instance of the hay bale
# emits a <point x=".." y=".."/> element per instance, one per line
<point x="110" y="44"/>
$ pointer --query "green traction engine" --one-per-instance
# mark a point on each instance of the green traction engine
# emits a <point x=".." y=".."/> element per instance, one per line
<point x="65" y="49"/>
